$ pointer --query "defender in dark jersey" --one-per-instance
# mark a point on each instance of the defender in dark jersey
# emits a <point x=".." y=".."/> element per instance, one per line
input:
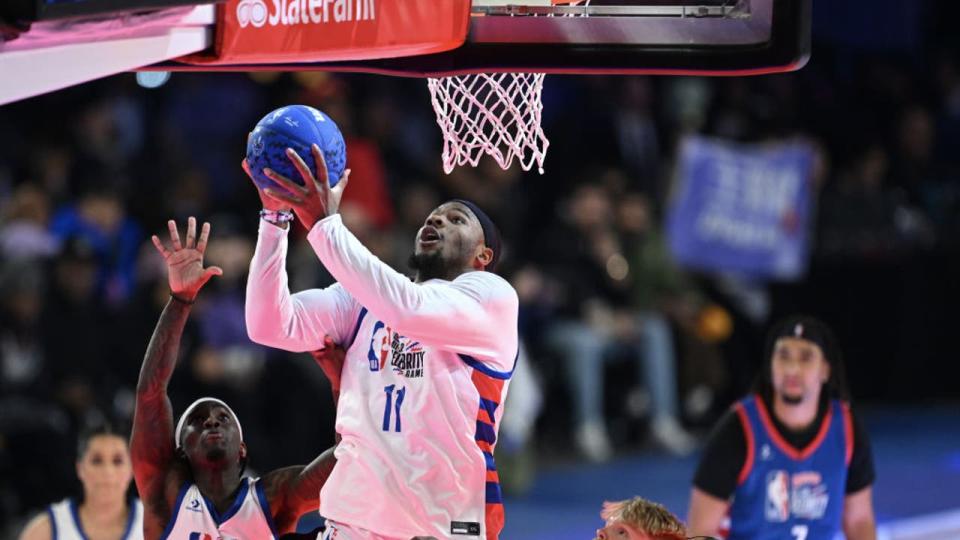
<point x="191" y="479"/>
<point x="790" y="461"/>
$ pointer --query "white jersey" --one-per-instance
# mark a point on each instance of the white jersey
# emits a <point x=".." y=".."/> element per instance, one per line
<point x="196" y="518"/>
<point x="65" y="521"/>
<point x="425" y="377"/>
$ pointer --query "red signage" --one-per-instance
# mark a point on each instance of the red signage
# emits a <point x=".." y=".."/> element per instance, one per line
<point x="304" y="31"/>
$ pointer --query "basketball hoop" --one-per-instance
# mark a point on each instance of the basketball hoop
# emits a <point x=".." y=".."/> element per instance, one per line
<point x="497" y="114"/>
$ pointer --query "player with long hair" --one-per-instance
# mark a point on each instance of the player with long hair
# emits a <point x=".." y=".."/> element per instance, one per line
<point x="790" y="460"/>
<point x="105" y="510"/>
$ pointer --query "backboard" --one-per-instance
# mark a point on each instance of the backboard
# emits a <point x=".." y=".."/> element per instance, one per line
<point x="705" y="37"/>
<point x="711" y="37"/>
<point x="484" y="59"/>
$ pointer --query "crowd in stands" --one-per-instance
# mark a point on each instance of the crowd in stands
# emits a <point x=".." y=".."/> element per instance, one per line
<point x="612" y="325"/>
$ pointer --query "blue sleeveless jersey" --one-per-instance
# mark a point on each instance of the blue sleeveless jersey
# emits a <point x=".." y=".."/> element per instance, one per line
<point x="789" y="493"/>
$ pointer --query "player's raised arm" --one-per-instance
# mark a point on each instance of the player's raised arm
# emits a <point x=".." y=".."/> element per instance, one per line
<point x="470" y="312"/>
<point x="474" y="314"/>
<point x="152" y="444"/>
<point x="276" y="318"/>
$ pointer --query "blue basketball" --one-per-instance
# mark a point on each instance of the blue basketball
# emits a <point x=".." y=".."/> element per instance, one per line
<point x="297" y="127"/>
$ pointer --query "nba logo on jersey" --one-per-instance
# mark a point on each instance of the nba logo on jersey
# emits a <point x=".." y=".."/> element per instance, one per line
<point x="380" y="343"/>
<point x="777" y="506"/>
<point x="405" y="356"/>
<point x="198" y="536"/>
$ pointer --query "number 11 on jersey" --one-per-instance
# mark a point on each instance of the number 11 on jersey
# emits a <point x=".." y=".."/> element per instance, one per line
<point x="389" y="391"/>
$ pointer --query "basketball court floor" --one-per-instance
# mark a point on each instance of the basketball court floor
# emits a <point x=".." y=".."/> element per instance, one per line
<point x="916" y="496"/>
<point x="917" y="493"/>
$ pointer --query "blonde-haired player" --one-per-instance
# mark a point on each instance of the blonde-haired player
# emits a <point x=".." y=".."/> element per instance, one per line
<point x="639" y="519"/>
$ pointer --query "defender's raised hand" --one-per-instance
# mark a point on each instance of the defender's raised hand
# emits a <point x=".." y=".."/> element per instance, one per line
<point x="185" y="261"/>
<point x="315" y="199"/>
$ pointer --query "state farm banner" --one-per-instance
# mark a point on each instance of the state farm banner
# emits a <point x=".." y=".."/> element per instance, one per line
<point x="742" y="208"/>
<point x="304" y="31"/>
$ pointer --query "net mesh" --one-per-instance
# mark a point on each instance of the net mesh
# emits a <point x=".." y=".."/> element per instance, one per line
<point x="497" y="114"/>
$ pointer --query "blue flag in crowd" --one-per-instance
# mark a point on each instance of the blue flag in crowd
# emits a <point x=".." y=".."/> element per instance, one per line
<point x="743" y="208"/>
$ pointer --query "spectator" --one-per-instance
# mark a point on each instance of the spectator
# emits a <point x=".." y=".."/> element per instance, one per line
<point x="99" y="219"/>
<point x="667" y="299"/>
<point x="596" y="316"/>
<point x="25" y="217"/>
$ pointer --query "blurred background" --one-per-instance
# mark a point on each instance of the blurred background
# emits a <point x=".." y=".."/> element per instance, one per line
<point x="632" y="345"/>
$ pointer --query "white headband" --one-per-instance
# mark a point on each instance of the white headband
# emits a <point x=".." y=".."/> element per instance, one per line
<point x="186" y="413"/>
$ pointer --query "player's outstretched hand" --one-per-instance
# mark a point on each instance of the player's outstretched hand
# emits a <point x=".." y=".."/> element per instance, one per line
<point x="315" y="199"/>
<point x="330" y="359"/>
<point x="185" y="261"/>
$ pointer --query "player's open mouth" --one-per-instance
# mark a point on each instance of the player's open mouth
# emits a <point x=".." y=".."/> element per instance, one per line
<point x="213" y="436"/>
<point x="429" y="236"/>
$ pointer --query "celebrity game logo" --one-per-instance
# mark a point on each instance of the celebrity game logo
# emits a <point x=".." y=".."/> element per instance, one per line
<point x="293" y="12"/>
<point x="802" y="495"/>
<point x="809" y="497"/>
<point x="404" y="355"/>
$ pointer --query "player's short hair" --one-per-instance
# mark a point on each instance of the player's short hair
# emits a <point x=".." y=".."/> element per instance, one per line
<point x="645" y="516"/>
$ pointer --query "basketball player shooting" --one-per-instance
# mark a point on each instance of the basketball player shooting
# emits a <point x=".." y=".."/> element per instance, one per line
<point x="190" y="479"/>
<point x="427" y="365"/>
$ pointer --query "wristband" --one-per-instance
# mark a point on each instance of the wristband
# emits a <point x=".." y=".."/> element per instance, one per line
<point x="181" y="300"/>
<point x="277" y="217"/>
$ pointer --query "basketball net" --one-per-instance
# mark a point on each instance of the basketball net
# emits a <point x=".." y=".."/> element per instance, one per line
<point x="490" y="113"/>
<point x="497" y="114"/>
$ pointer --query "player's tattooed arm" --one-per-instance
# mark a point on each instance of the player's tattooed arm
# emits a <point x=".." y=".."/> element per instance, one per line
<point x="294" y="491"/>
<point x="152" y="443"/>
<point x="152" y="447"/>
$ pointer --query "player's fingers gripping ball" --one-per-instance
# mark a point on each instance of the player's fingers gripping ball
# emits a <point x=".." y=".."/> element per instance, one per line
<point x="297" y="127"/>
